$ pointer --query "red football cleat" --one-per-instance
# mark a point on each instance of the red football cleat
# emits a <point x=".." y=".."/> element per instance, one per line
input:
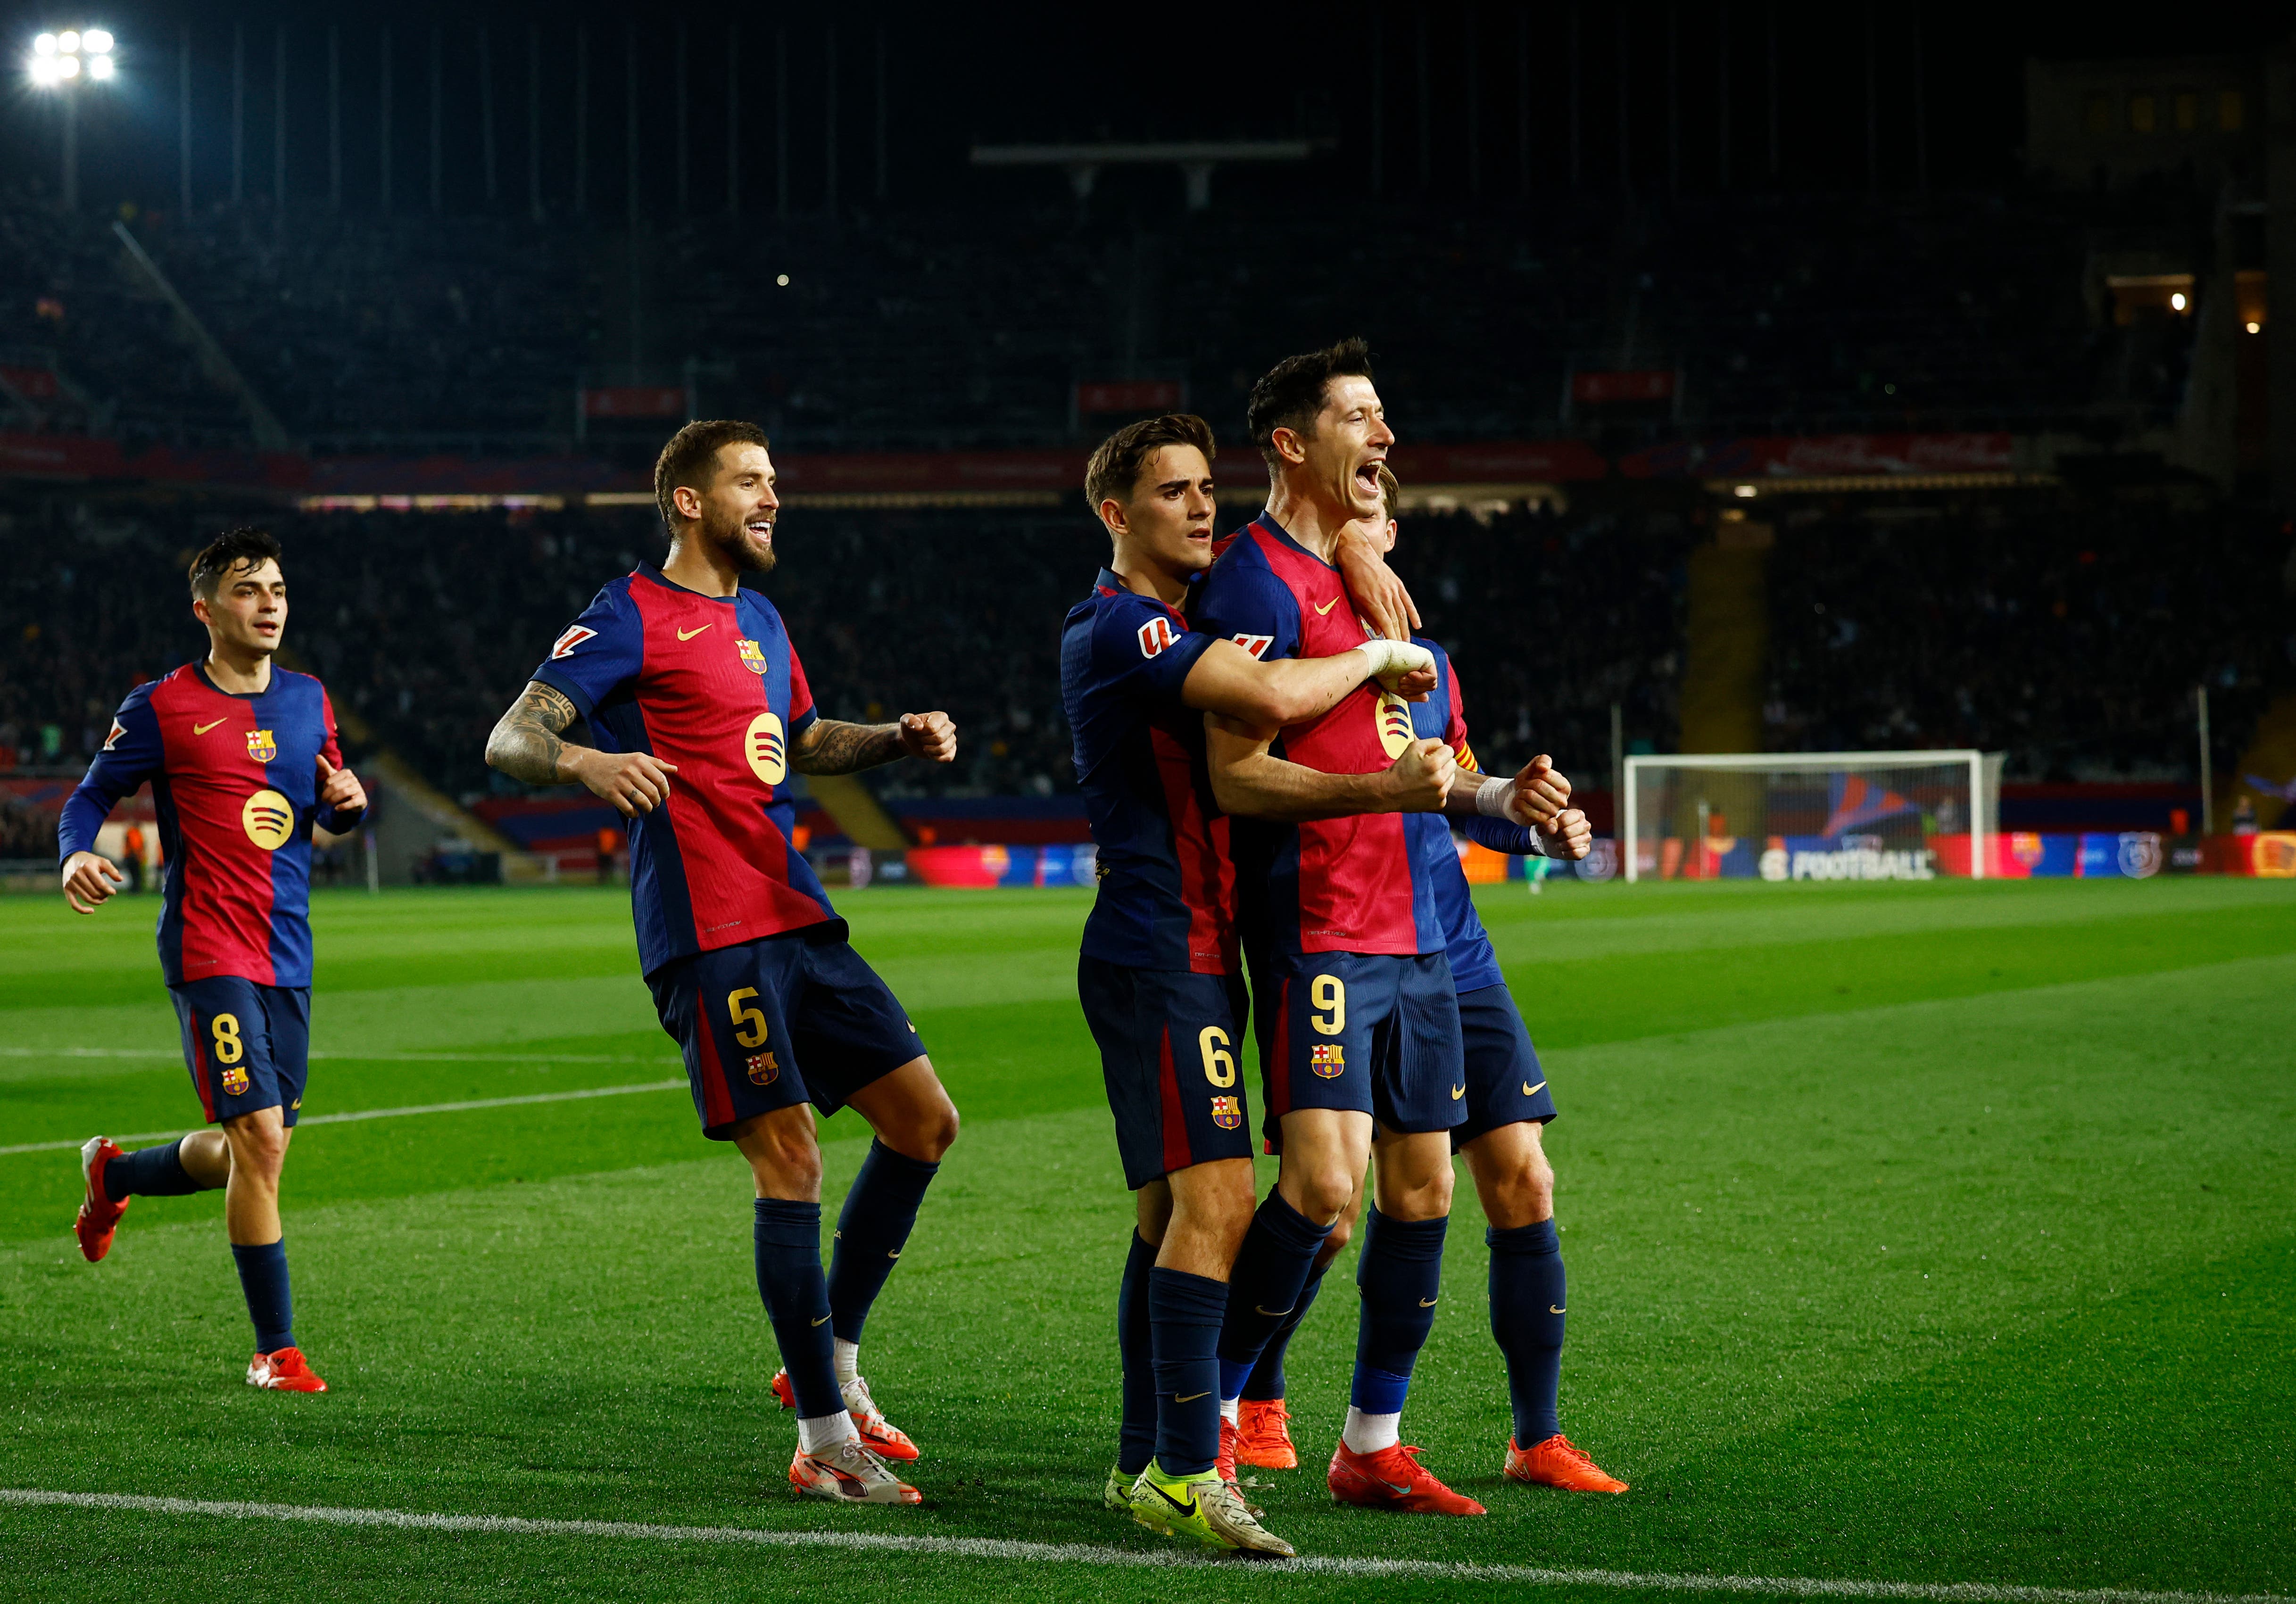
<point x="879" y="1435"/>
<point x="1393" y="1479"/>
<point x="1262" y="1438"/>
<point x="99" y="1216"/>
<point x="282" y="1369"/>
<point x="1558" y="1462"/>
<point x="1225" y="1463"/>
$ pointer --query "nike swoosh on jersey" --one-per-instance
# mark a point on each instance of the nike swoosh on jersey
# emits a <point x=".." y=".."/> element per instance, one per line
<point x="198" y="729"/>
<point x="1457" y="1092"/>
<point x="1327" y="607"/>
<point x="687" y="635"/>
<point x="1531" y="1090"/>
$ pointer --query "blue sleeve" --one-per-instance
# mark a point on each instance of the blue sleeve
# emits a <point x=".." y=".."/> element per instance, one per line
<point x="132" y="754"/>
<point x="600" y="653"/>
<point x="1246" y="603"/>
<point x="1505" y="835"/>
<point x="1144" y="655"/>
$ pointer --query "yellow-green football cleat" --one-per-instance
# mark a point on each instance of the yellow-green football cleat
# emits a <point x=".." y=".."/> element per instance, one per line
<point x="1117" y="1494"/>
<point x="1202" y="1510"/>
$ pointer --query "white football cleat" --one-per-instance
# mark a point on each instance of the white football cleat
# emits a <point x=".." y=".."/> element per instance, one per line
<point x="849" y="1473"/>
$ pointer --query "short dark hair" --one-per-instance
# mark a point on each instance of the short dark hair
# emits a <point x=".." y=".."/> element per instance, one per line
<point x="1290" y="394"/>
<point x="1390" y="492"/>
<point x="247" y="544"/>
<point x="1114" y="469"/>
<point x="691" y="454"/>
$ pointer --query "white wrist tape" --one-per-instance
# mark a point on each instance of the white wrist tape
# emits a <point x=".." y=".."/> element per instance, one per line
<point x="1391" y="661"/>
<point x="1492" y="796"/>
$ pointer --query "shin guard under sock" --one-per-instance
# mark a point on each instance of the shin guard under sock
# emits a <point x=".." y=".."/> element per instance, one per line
<point x="1271" y="1267"/>
<point x="1135" y="1435"/>
<point x="1184" y="1313"/>
<point x="797" y="1301"/>
<point x="871" y="1229"/>
<point x="1400" y="1276"/>
<point x="270" y="1304"/>
<point x="1265" y="1381"/>
<point x="1527" y="1305"/>
<point x="153" y="1172"/>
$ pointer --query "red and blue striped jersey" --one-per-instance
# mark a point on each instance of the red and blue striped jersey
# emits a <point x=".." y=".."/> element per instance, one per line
<point x="1474" y="964"/>
<point x="1349" y="885"/>
<point x="235" y="781"/>
<point x="711" y="685"/>
<point x="1167" y="890"/>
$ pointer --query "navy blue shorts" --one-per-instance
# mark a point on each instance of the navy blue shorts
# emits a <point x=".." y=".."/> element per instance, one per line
<point x="1169" y="1046"/>
<point x="1370" y="1032"/>
<point x="777" y="1021"/>
<point x="1504" y="1084"/>
<point x="248" y="1046"/>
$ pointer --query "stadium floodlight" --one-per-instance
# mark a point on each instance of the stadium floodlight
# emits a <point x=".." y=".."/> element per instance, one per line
<point x="99" y="67"/>
<point x="67" y="41"/>
<point x="45" y="45"/>
<point x="1811" y="815"/>
<point x="96" y="41"/>
<point x="59" y="58"/>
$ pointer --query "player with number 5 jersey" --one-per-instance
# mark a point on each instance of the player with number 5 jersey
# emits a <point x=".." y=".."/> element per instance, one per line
<point x="698" y="714"/>
<point x="242" y="761"/>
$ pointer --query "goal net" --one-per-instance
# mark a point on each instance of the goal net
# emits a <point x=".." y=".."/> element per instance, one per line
<point x="1811" y="815"/>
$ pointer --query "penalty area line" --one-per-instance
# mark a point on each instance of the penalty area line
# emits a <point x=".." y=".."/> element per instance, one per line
<point x="349" y="1114"/>
<point x="1080" y="1553"/>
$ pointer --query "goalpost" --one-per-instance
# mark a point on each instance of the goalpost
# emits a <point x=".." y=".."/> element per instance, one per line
<point x="1811" y="815"/>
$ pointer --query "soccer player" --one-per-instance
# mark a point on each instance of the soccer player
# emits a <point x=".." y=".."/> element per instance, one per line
<point x="1508" y="1103"/>
<point x="242" y="761"/>
<point x="1158" y="973"/>
<point x="1357" y="1019"/>
<point x="698" y="710"/>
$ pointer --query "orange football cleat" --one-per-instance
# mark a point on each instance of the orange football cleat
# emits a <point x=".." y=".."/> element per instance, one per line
<point x="1225" y="1463"/>
<point x="1559" y="1462"/>
<point x="99" y="1216"/>
<point x="879" y="1435"/>
<point x="1393" y="1479"/>
<point x="1262" y="1438"/>
<point x="284" y="1370"/>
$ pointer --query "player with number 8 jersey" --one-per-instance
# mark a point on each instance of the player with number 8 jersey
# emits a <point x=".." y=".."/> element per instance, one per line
<point x="242" y="761"/>
<point x="699" y="716"/>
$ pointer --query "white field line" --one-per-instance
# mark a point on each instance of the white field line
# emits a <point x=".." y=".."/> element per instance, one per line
<point x="445" y="1108"/>
<point x="1079" y="1553"/>
<point x="364" y="1058"/>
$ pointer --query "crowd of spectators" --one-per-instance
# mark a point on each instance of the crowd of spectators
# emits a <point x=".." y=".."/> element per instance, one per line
<point x="968" y="325"/>
<point x="2069" y="630"/>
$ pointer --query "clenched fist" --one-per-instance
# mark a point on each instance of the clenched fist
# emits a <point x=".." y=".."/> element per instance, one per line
<point x="930" y="736"/>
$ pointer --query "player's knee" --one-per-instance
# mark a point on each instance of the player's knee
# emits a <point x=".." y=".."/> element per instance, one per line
<point x="1417" y="1197"/>
<point x="1326" y="1192"/>
<point x="1336" y="1244"/>
<point x="259" y="1150"/>
<point x="936" y="1132"/>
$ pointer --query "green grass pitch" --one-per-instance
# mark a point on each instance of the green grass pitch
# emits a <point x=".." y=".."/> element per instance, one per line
<point x="1939" y="1233"/>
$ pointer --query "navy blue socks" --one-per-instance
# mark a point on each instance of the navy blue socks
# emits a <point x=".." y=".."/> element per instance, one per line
<point x="1400" y="1276"/>
<point x="1271" y="1269"/>
<point x="1184" y="1313"/>
<point x="155" y="1172"/>
<point x="1135" y="1437"/>
<point x="1267" y="1379"/>
<point x="871" y="1229"/>
<point x="263" y="1278"/>
<point x="1527" y="1305"/>
<point x="797" y="1301"/>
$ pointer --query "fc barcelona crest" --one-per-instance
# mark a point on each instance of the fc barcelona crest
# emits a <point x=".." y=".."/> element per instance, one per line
<point x="764" y="1070"/>
<point x="1326" y="1060"/>
<point x="261" y="746"/>
<point x="235" y="1081"/>
<point x="1227" y="1112"/>
<point x="753" y="656"/>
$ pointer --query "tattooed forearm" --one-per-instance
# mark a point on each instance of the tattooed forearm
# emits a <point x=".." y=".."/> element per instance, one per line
<point x="526" y="745"/>
<point x="830" y="746"/>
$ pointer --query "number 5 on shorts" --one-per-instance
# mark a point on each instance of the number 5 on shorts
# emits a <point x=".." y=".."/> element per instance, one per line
<point x="1329" y="994"/>
<point x="749" y="1025"/>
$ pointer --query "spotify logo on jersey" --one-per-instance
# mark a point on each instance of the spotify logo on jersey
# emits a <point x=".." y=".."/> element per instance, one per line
<point x="268" y="820"/>
<point x="1394" y="716"/>
<point x="763" y="745"/>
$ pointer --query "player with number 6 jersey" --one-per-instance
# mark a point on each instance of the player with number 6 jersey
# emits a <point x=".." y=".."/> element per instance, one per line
<point x="1159" y="976"/>
<point x="242" y="761"/>
<point x="699" y="714"/>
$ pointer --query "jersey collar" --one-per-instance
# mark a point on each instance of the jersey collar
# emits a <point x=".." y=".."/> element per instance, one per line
<point x="647" y="570"/>
<point x="1266" y="522"/>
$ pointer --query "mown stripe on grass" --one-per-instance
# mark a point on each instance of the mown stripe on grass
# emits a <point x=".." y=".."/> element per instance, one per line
<point x="444" y="1108"/>
<point x="1080" y="1553"/>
